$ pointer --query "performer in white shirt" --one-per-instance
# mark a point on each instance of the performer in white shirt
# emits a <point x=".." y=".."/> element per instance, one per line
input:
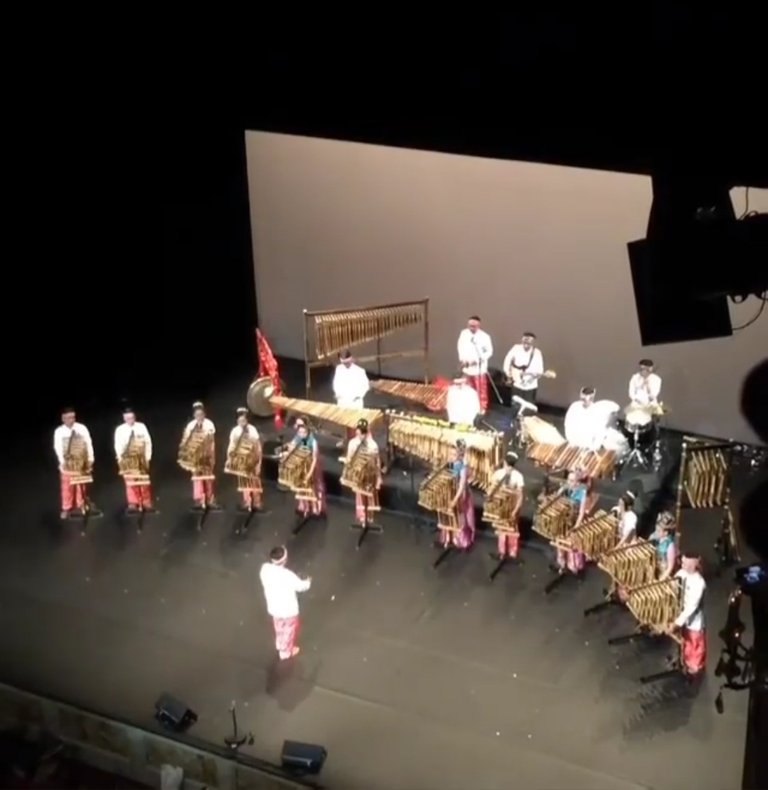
<point x="280" y="588"/>
<point x="244" y="436"/>
<point x="74" y="452"/>
<point x="627" y="519"/>
<point x="645" y="385"/>
<point x="365" y="503"/>
<point x="350" y="385"/>
<point x="691" y="620"/>
<point x="584" y="424"/>
<point x="510" y="479"/>
<point x="475" y="349"/>
<point x="462" y="402"/>
<point x="133" y="450"/>
<point x="524" y="365"/>
<point x="203" y="488"/>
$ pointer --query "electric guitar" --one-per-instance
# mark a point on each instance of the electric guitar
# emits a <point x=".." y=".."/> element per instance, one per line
<point x="518" y="376"/>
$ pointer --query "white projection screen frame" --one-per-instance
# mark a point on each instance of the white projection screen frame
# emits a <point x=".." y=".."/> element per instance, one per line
<point x="525" y="246"/>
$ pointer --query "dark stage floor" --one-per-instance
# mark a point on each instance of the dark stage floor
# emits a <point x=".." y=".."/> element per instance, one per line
<point x="411" y="677"/>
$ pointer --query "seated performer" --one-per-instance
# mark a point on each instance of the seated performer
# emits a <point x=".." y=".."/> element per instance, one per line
<point x="645" y="385"/>
<point x="666" y="547"/>
<point x="203" y="489"/>
<point x="462" y="503"/>
<point x="524" y="364"/>
<point x="363" y="510"/>
<point x="584" y="424"/>
<point x="133" y="450"/>
<point x="462" y="402"/>
<point x="315" y="477"/>
<point x="627" y="519"/>
<point x="475" y="349"/>
<point x="691" y="620"/>
<point x="245" y="438"/>
<point x="577" y="488"/>
<point x="350" y="385"/>
<point x="74" y="452"/>
<point x="509" y="478"/>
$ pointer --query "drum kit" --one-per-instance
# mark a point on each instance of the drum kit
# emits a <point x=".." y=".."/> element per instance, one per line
<point x="640" y="428"/>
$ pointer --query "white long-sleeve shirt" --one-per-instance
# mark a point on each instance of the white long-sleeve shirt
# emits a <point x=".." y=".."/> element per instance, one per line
<point x="692" y="616"/>
<point x="61" y="439"/>
<point x="533" y="362"/>
<point x="475" y="349"/>
<point x="462" y="404"/>
<point x="355" y="442"/>
<point x="207" y="425"/>
<point x="236" y="432"/>
<point x="350" y="386"/>
<point x="280" y="588"/>
<point x="123" y="437"/>
<point x="627" y="524"/>
<point x="584" y="426"/>
<point x="638" y="392"/>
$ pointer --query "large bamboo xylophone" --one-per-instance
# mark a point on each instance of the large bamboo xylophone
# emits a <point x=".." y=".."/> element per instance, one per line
<point x="593" y="537"/>
<point x="630" y="566"/>
<point x="431" y="440"/>
<point x="328" y="412"/>
<point x="705" y="473"/>
<point x="656" y="605"/>
<point x="328" y="332"/>
<point x="293" y="470"/>
<point x="429" y="395"/>
<point x="554" y="517"/>
<point x="595" y="463"/>
<point x="437" y="493"/>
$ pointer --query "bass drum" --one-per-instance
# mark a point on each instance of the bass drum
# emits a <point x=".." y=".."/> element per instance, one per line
<point x="616" y="441"/>
<point x="259" y="393"/>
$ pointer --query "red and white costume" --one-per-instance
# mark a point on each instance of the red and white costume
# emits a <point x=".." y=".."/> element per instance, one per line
<point x="691" y="621"/>
<point x="475" y="349"/>
<point x="203" y="491"/>
<point x="73" y="495"/>
<point x="138" y="492"/>
<point x="280" y="588"/>
<point x="249" y="487"/>
<point x="509" y="542"/>
<point x="364" y="509"/>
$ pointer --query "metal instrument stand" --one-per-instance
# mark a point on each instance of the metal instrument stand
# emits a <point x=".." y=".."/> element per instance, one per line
<point x="557" y="581"/>
<point x="637" y="455"/>
<point x="502" y="561"/>
<point x="447" y="549"/>
<point x="367" y="526"/>
<point x="610" y="600"/>
<point x="675" y="670"/>
<point x="88" y="512"/>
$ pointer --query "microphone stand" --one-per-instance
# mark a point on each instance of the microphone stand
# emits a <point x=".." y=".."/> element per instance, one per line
<point x="234" y="742"/>
<point x="487" y="374"/>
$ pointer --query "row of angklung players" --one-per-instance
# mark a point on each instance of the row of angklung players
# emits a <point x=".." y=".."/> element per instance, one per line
<point x="73" y="447"/>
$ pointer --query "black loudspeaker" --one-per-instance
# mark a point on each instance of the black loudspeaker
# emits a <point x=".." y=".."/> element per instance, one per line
<point x="306" y="758"/>
<point x="173" y="714"/>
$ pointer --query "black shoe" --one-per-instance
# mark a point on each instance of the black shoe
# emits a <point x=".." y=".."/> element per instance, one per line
<point x="93" y="512"/>
<point x="215" y="506"/>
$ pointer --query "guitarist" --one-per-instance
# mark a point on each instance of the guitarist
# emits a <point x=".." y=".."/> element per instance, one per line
<point x="523" y="366"/>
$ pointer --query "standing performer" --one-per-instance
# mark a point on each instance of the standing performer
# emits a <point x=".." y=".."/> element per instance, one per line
<point x="691" y="620"/>
<point x="508" y="481"/>
<point x="314" y="477"/>
<point x="365" y="503"/>
<point x="350" y="385"/>
<point x="133" y="450"/>
<point x="462" y="402"/>
<point x="462" y="503"/>
<point x="280" y="588"/>
<point x="524" y="366"/>
<point x="645" y="385"/>
<point x="627" y="519"/>
<point x="197" y="455"/>
<point x="475" y="349"/>
<point x="577" y="488"/>
<point x="244" y="460"/>
<point x="666" y="546"/>
<point x="74" y="452"/>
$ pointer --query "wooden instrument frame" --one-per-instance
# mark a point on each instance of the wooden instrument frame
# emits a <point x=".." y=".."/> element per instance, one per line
<point x="312" y="360"/>
<point x="694" y="446"/>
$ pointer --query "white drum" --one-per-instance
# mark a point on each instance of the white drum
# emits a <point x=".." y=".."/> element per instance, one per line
<point x="608" y="411"/>
<point x="616" y="441"/>
<point x="542" y="432"/>
<point x="637" y="418"/>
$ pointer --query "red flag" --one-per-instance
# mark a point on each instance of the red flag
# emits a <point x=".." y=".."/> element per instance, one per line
<point x="268" y="367"/>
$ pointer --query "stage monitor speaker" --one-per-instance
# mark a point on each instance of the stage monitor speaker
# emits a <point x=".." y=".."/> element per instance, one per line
<point x="306" y="758"/>
<point x="173" y="714"/>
